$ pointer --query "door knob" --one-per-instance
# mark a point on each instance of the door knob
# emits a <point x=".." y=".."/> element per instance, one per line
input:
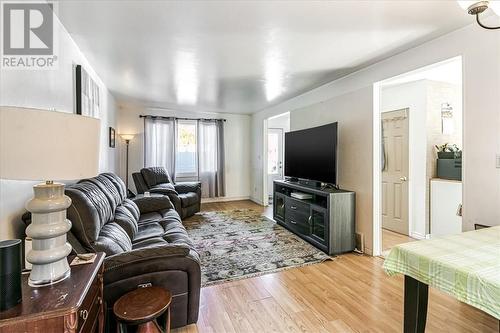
<point x="403" y="179"/>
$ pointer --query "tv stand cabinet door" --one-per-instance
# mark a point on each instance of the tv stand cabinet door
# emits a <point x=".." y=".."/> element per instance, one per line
<point x="319" y="225"/>
<point x="279" y="207"/>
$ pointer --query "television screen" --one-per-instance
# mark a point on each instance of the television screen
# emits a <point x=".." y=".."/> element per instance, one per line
<point x="312" y="154"/>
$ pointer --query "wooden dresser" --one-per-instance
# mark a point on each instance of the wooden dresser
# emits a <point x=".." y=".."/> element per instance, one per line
<point x="73" y="305"/>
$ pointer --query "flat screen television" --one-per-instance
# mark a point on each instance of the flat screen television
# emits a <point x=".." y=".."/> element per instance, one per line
<point x="312" y="154"/>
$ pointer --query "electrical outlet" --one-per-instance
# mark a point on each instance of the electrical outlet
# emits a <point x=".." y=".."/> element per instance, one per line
<point x="498" y="161"/>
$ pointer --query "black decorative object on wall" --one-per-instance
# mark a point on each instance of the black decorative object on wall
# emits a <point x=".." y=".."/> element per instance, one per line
<point x="87" y="94"/>
<point x="112" y="137"/>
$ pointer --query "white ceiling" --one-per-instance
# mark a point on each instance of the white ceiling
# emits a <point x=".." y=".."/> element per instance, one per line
<point x="449" y="71"/>
<point x="243" y="56"/>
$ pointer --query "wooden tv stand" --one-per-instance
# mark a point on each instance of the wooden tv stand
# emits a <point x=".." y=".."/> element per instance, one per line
<point x="326" y="221"/>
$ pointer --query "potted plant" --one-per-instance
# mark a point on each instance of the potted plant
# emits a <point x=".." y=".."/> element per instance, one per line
<point x="447" y="151"/>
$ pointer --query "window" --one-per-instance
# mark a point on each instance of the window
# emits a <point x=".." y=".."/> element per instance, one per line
<point x="186" y="162"/>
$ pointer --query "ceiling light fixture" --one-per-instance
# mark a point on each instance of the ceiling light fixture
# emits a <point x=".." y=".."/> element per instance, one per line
<point x="475" y="7"/>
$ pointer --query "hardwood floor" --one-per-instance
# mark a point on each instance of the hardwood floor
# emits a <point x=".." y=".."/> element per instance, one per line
<point x="241" y="204"/>
<point x="349" y="294"/>
<point x="391" y="238"/>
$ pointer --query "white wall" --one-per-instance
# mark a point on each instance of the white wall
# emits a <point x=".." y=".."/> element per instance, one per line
<point x="237" y="142"/>
<point x="52" y="90"/>
<point x="281" y="121"/>
<point x="481" y="118"/>
<point x="354" y="163"/>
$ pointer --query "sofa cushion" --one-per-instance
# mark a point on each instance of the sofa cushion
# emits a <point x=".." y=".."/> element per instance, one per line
<point x="90" y="210"/>
<point x="132" y="207"/>
<point x="149" y="242"/>
<point x="163" y="188"/>
<point x="149" y="229"/>
<point x="125" y="219"/>
<point x="148" y="217"/>
<point x="112" y="240"/>
<point x="118" y="183"/>
<point x="188" y="199"/>
<point x="153" y="203"/>
<point x="155" y="175"/>
<point x="177" y="235"/>
<point x="108" y="188"/>
<point x="170" y="215"/>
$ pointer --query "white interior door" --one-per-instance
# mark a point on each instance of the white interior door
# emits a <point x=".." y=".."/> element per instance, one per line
<point x="274" y="158"/>
<point x="395" y="171"/>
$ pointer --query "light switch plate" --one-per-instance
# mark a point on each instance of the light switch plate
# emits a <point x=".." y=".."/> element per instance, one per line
<point x="498" y="161"/>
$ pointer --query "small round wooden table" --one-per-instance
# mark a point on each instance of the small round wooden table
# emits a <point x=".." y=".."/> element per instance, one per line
<point x="141" y="307"/>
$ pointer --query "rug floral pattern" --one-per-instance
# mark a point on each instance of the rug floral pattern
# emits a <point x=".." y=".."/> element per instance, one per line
<point x="241" y="243"/>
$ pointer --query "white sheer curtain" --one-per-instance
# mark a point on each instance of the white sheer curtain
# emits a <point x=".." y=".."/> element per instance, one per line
<point x="211" y="158"/>
<point x="159" y="143"/>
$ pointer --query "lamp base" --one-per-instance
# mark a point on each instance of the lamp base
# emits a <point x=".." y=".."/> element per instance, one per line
<point x="56" y="270"/>
<point x="48" y="230"/>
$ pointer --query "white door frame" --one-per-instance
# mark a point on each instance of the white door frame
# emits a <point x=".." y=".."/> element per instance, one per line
<point x="264" y="198"/>
<point x="282" y="171"/>
<point x="377" y="172"/>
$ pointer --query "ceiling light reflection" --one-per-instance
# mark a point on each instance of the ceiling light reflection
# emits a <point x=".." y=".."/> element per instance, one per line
<point x="186" y="78"/>
<point x="274" y="75"/>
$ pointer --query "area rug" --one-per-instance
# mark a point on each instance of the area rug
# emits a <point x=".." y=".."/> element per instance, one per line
<point x="239" y="244"/>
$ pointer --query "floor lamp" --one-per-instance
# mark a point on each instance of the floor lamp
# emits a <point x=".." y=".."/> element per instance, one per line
<point x="48" y="145"/>
<point x="127" y="138"/>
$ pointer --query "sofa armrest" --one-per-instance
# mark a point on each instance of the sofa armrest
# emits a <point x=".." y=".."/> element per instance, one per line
<point x="140" y="184"/>
<point x="150" y="260"/>
<point x="165" y="188"/>
<point x="186" y="187"/>
<point x="153" y="203"/>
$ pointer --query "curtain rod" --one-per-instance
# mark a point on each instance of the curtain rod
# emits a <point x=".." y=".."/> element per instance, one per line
<point x="178" y="118"/>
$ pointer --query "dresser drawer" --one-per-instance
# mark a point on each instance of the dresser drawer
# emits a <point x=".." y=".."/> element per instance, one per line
<point x="86" y="312"/>
<point x="300" y="218"/>
<point x="89" y="325"/>
<point x="298" y="221"/>
<point x="294" y="205"/>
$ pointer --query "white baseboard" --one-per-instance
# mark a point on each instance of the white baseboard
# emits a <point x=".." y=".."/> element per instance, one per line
<point x="417" y="235"/>
<point x="224" y="199"/>
<point x="257" y="201"/>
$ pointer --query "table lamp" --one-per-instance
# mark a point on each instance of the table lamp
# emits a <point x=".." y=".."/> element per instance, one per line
<point x="48" y="145"/>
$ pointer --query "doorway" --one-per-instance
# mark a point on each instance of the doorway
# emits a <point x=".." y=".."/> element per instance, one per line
<point x="415" y="115"/>
<point x="275" y="157"/>
<point x="274" y="146"/>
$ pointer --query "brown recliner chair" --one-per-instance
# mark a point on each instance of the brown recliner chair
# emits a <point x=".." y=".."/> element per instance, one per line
<point x="186" y="196"/>
<point x="144" y="241"/>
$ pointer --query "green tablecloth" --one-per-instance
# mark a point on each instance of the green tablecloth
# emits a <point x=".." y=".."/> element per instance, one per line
<point x="465" y="265"/>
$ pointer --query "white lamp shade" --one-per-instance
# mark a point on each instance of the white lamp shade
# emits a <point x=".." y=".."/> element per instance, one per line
<point x="47" y="145"/>
<point x="127" y="136"/>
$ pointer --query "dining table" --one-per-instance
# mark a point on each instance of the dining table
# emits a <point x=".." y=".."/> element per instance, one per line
<point x="464" y="265"/>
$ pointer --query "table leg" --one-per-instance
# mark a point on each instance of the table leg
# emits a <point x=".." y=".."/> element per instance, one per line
<point x="167" y="321"/>
<point x="415" y="308"/>
<point x="119" y="327"/>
